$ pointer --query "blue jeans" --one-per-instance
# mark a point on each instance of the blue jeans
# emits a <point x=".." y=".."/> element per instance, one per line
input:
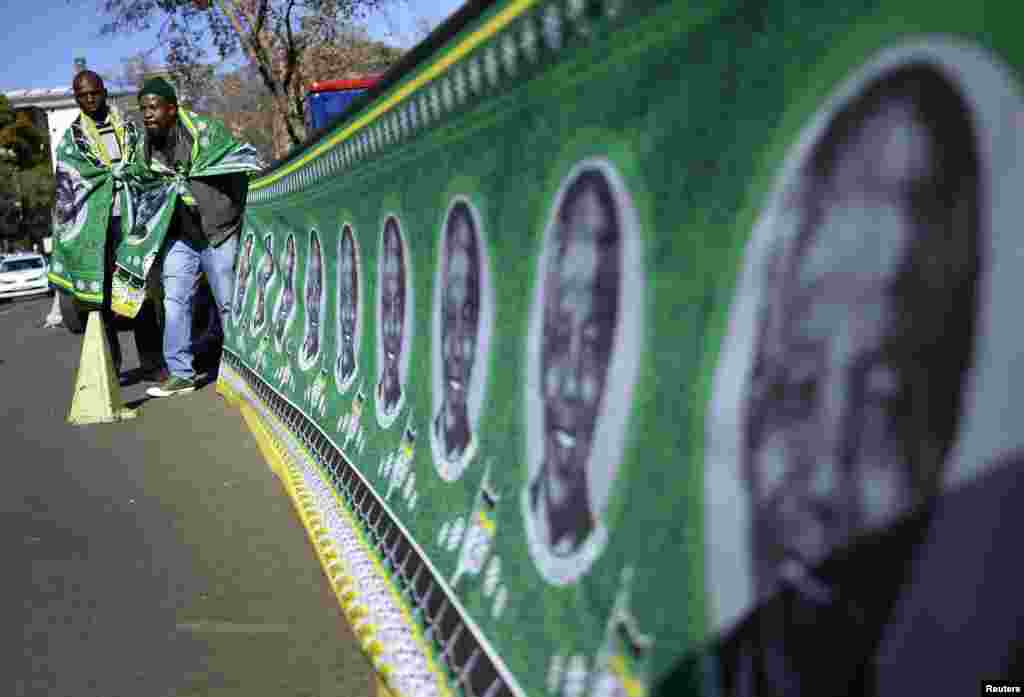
<point x="182" y="264"/>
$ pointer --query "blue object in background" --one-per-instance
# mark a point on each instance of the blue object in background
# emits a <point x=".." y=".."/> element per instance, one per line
<point x="322" y="107"/>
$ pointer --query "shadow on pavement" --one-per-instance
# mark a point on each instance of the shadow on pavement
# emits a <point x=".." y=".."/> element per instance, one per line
<point x="136" y="403"/>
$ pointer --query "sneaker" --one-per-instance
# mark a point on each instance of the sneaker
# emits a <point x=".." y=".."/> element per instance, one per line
<point x="172" y="385"/>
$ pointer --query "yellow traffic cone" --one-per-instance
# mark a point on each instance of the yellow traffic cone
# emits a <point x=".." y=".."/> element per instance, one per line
<point x="97" y="397"/>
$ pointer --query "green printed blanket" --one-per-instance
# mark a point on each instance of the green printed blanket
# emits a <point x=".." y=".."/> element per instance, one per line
<point x="85" y="191"/>
<point x="154" y="192"/>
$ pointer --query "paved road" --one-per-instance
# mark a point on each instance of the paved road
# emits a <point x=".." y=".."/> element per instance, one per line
<point x="153" y="558"/>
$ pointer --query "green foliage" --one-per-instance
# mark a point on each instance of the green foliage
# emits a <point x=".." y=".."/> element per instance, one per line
<point x="21" y="142"/>
<point x="37" y="187"/>
<point x="26" y="180"/>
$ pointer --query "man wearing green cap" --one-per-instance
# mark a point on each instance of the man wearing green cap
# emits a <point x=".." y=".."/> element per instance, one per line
<point x="189" y="184"/>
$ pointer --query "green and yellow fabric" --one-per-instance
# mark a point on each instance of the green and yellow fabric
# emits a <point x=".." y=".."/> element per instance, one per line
<point x="155" y="190"/>
<point x="85" y="191"/>
<point x="611" y="379"/>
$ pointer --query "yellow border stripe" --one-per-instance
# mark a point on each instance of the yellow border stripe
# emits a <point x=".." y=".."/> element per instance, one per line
<point x="492" y="27"/>
<point x="278" y="460"/>
<point x="64" y="283"/>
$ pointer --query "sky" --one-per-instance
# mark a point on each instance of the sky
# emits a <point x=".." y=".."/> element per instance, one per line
<point x="43" y="38"/>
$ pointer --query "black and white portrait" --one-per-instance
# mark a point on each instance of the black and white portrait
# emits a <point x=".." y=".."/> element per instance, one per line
<point x="394" y="322"/>
<point x="841" y="435"/>
<point x="244" y="272"/>
<point x="350" y="324"/>
<point x="285" y="309"/>
<point x="144" y="210"/>
<point x="315" y="302"/>
<point x="264" y="275"/>
<point x="70" y="206"/>
<point x="839" y="397"/>
<point x="582" y="357"/>
<point x="463" y="311"/>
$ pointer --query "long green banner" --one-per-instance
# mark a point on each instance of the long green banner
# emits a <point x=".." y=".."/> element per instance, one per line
<point x="650" y="347"/>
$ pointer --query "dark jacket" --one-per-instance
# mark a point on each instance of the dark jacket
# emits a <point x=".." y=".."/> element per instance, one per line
<point x="932" y="606"/>
<point x="220" y="201"/>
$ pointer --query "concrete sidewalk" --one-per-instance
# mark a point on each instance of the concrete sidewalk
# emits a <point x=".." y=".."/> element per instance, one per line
<point x="158" y="557"/>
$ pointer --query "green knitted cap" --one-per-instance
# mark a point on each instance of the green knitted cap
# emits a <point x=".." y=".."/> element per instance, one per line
<point x="159" y="87"/>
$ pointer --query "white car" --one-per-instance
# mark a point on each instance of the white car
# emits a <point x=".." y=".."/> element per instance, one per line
<point x="23" y="274"/>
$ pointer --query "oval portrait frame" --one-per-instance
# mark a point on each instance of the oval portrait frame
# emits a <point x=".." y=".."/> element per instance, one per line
<point x="293" y="310"/>
<point x="992" y="93"/>
<point x="261" y="238"/>
<point x="344" y="386"/>
<point x="384" y="419"/>
<point x="603" y="466"/>
<point x="451" y="471"/>
<point x="307" y="365"/>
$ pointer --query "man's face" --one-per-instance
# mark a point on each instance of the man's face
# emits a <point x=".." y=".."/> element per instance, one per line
<point x="267" y="263"/>
<point x="266" y="270"/>
<point x="243" y="266"/>
<point x="825" y="457"/>
<point x="90" y="95"/>
<point x="158" y="115"/>
<point x="460" y="305"/>
<point x="243" y="275"/>
<point x="247" y="255"/>
<point x="289" y="271"/>
<point x="392" y="294"/>
<point x="347" y="289"/>
<point x="287" y="293"/>
<point x="289" y="259"/>
<point x="577" y="334"/>
<point x="315" y="287"/>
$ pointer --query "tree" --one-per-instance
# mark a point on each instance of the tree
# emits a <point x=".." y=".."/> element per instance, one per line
<point x="133" y="72"/>
<point x="36" y="186"/>
<point x="287" y="42"/>
<point x="21" y="143"/>
<point x="239" y="99"/>
<point x="26" y="182"/>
